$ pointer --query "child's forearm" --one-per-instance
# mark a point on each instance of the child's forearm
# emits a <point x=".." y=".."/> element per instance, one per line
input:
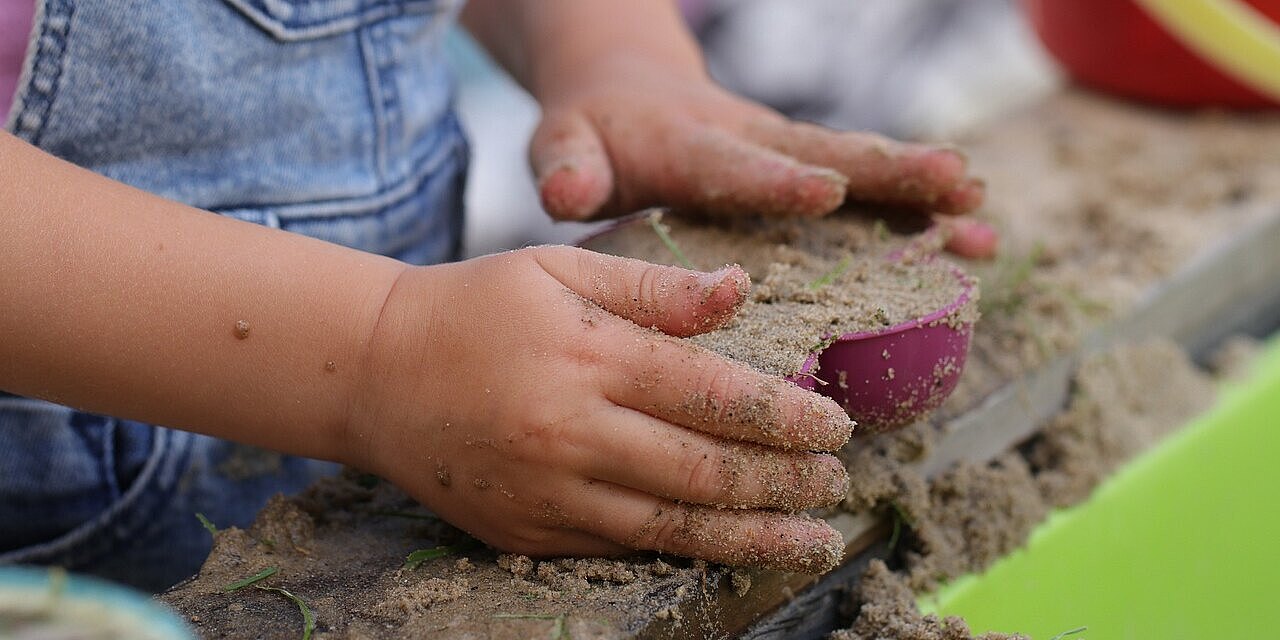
<point x="120" y="302"/>
<point x="549" y="44"/>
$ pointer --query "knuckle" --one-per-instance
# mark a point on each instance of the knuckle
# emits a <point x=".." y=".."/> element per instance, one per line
<point x="701" y="476"/>
<point x="664" y="531"/>
<point x="584" y="350"/>
<point x="647" y="290"/>
<point x="545" y="435"/>
<point x="718" y="387"/>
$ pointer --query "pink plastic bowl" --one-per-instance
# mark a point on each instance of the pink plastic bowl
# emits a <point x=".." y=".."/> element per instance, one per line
<point x="889" y="378"/>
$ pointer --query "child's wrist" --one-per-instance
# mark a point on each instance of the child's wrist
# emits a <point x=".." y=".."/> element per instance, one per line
<point x="553" y="85"/>
<point x="382" y="349"/>
<point x="596" y="40"/>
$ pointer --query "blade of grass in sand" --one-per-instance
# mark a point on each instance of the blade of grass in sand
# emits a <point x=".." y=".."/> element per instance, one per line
<point x="422" y="555"/>
<point x="830" y="276"/>
<point x="308" y="619"/>
<point x="208" y="526"/>
<point x="257" y="577"/>
<point x="655" y="221"/>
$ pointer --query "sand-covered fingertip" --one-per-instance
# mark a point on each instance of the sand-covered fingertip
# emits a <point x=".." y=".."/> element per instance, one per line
<point x="569" y="192"/>
<point x="819" y="424"/>
<point x="720" y="294"/>
<point x="811" y="546"/>
<point x="965" y="197"/>
<point x="789" y="543"/>
<point x="815" y="193"/>
<point x="967" y="236"/>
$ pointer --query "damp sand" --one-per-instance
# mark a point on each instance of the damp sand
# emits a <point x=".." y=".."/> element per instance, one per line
<point x="342" y="546"/>
<point x="974" y="514"/>
<point x="811" y="279"/>
<point x="1095" y="200"/>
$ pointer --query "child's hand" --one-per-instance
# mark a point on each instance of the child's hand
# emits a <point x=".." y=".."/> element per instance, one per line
<point x="522" y="398"/>
<point x="629" y="133"/>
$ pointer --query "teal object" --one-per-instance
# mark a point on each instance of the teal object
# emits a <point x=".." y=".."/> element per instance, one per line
<point x="1183" y="542"/>
<point x="51" y="604"/>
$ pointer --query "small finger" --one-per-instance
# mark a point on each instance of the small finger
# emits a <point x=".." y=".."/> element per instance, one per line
<point x="795" y="543"/>
<point x="719" y="173"/>
<point x="966" y="197"/>
<point x="654" y="457"/>
<point x="879" y="169"/>
<point x="676" y="301"/>
<point x="575" y="178"/>
<point x="969" y="237"/>
<point x="686" y="385"/>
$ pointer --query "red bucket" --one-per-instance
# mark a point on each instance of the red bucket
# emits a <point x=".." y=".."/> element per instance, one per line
<point x="1188" y="53"/>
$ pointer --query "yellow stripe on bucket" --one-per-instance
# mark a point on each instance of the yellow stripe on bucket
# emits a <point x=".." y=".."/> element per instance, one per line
<point x="1228" y="33"/>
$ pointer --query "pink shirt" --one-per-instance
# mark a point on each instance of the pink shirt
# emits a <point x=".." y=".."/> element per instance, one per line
<point x="15" y="33"/>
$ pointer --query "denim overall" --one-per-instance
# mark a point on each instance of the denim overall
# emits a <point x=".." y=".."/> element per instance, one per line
<point x="330" y="118"/>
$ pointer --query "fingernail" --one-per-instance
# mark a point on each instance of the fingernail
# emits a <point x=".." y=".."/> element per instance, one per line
<point x="957" y="153"/>
<point x="829" y="176"/>
<point x="821" y="191"/>
<point x="713" y="281"/>
<point x="566" y="166"/>
<point x="969" y="237"/>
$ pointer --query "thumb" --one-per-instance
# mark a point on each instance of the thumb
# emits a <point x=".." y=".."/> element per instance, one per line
<point x="571" y="166"/>
<point x="676" y="301"/>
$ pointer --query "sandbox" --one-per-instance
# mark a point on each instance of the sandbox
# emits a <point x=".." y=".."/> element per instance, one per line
<point x="1121" y="224"/>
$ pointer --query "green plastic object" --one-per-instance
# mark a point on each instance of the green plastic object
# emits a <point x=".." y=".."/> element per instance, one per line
<point x="1183" y="542"/>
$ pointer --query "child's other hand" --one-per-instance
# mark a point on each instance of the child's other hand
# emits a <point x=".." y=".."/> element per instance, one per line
<point x="523" y="398"/>
<point x="627" y="134"/>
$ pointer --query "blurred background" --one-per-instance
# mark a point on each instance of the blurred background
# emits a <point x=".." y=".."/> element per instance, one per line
<point x="914" y="69"/>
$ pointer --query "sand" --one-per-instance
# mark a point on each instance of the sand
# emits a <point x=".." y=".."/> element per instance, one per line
<point x="811" y="279"/>
<point x="1096" y="201"/>
<point x="887" y="609"/>
<point x="342" y="546"/>
<point x="974" y="514"/>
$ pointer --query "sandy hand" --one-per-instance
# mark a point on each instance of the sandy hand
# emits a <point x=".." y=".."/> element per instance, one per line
<point x="528" y="399"/>
<point x="635" y="135"/>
